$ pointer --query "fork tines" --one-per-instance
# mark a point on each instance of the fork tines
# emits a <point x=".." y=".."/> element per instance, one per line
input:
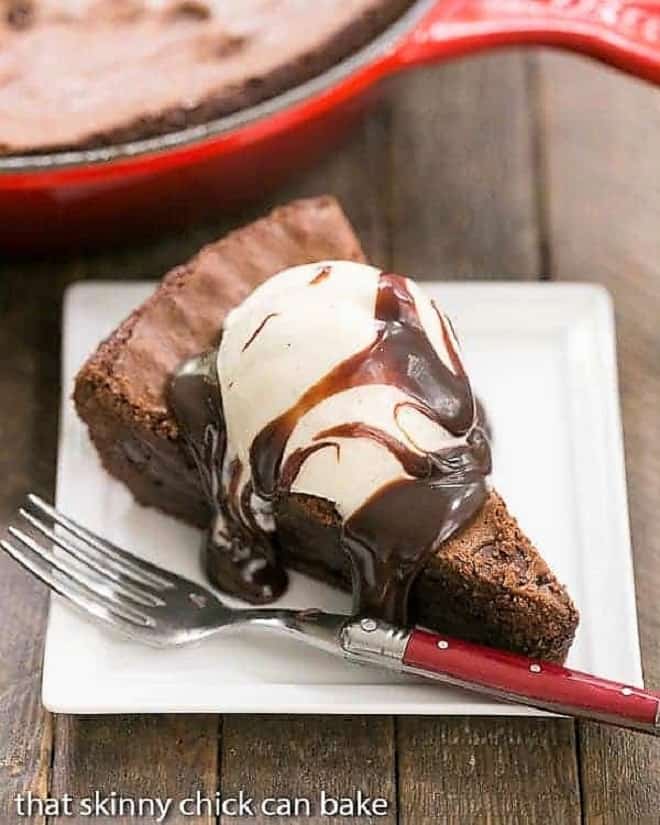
<point x="93" y="573"/>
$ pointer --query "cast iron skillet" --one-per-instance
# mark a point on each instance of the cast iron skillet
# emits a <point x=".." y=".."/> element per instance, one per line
<point x="81" y="197"/>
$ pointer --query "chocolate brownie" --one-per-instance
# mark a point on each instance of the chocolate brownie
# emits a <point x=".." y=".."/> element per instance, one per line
<point x="488" y="583"/>
<point x="93" y="72"/>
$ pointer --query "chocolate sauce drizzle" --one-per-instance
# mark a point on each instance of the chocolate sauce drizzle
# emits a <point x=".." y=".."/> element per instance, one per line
<point x="391" y="536"/>
<point x="241" y="556"/>
<point x="321" y="275"/>
<point x="250" y="340"/>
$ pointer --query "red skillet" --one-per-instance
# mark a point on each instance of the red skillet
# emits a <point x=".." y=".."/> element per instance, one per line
<point x="83" y="197"/>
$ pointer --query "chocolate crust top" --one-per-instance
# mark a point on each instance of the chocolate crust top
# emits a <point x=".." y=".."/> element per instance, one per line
<point x="131" y="367"/>
<point x="90" y="73"/>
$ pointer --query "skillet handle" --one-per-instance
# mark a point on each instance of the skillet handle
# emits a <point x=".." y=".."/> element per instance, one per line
<point x="623" y="33"/>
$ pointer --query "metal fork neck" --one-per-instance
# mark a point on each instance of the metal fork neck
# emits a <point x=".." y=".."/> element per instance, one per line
<point x="323" y="630"/>
<point x="360" y="639"/>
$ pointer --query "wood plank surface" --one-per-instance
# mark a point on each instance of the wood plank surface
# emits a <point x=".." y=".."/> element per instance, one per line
<point x="28" y="430"/>
<point x="463" y="199"/>
<point x="305" y="756"/>
<point x="137" y="757"/>
<point x="478" y="770"/>
<point x="602" y="189"/>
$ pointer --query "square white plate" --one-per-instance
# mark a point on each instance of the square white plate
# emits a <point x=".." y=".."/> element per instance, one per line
<point x="542" y="357"/>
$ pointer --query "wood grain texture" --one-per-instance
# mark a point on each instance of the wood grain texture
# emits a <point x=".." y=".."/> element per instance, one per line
<point x="300" y="756"/>
<point x="28" y="427"/>
<point x="482" y="771"/>
<point x="602" y="191"/>
<point x="463" y="199"/>
<point x="137" y="757"/>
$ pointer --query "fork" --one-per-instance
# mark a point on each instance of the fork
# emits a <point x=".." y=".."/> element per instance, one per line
<point x="154" y="606"/>
<point x="144" y="602"/>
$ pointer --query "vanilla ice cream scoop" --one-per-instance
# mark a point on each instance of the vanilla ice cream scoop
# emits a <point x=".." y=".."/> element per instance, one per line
<point x="339" y="381"/>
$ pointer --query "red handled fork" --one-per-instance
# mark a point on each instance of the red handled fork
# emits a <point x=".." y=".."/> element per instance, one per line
<point x="158" y="607"/>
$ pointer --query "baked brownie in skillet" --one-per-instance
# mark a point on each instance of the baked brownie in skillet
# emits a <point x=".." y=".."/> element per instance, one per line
<point x="84" y="73"/>
<point x="488" y="583"/>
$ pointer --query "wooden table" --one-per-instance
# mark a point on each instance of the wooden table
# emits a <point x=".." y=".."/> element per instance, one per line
<point x="518" y="165"/>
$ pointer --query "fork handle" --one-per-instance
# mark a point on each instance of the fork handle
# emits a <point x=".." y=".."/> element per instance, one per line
<point x="504" y="675"/>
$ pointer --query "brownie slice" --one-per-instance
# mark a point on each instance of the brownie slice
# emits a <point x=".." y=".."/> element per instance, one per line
<point x="488" y="583"/>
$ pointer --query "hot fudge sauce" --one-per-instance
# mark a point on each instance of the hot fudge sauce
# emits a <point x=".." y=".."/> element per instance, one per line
<point x="339" y="381"/>
<point x="245" y="563"/>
